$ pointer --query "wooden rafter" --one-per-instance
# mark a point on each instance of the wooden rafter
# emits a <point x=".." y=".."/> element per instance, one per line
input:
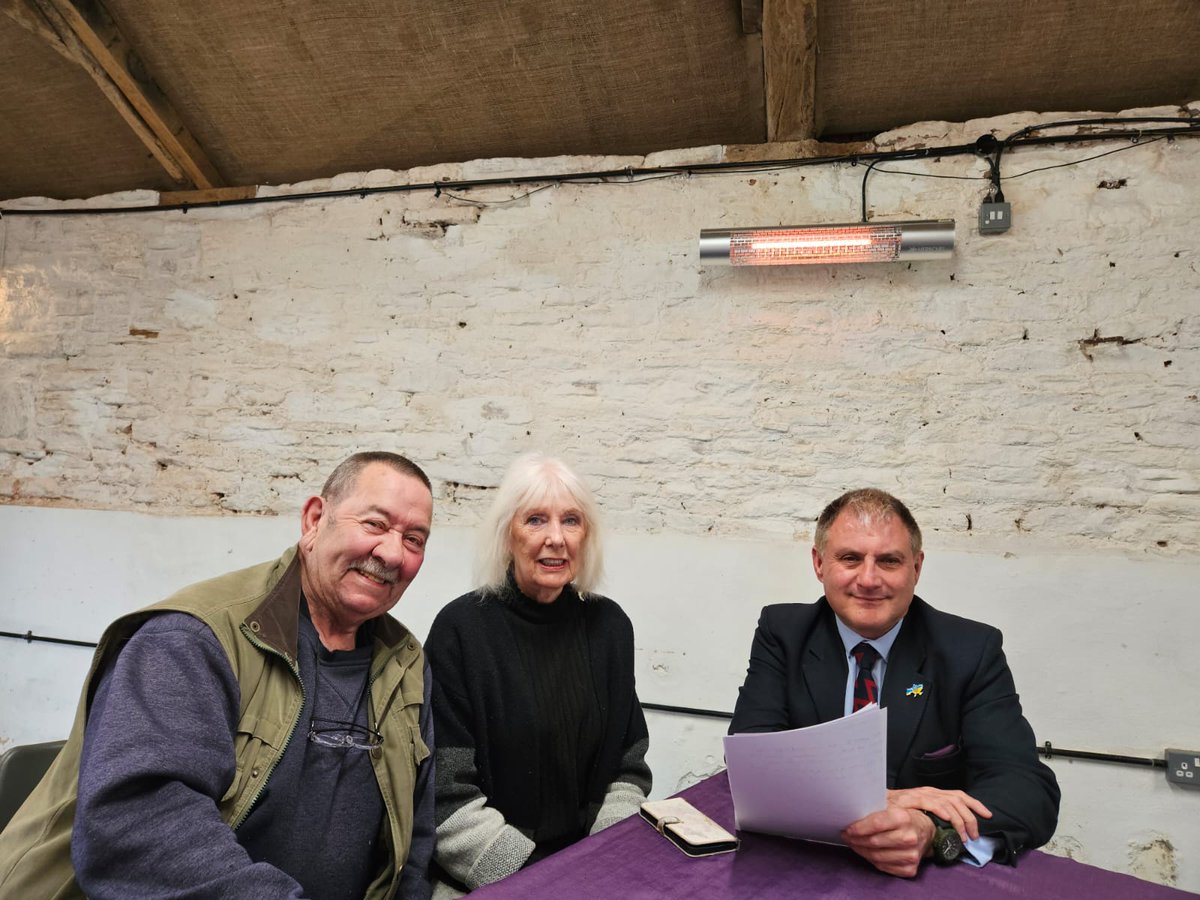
<point x="82" y="31"/>
<point x="31" y="19"/>
<point x="212" y="195"/>
<point x="789" y="38"/>
<point x="30" y="15"/>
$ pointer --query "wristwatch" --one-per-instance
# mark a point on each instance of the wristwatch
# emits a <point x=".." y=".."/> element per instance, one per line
<point x="947" y="845"/>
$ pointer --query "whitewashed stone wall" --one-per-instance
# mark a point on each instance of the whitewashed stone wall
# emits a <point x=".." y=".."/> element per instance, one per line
<point x="213" y="361"/>
<point x="219" y="362"/>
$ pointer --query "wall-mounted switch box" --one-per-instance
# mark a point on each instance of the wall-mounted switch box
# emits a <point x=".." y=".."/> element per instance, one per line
<point x="995" y="218"/>
<point x="1183" y="767"/>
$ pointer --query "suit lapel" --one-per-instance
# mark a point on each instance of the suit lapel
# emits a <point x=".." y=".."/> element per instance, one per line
<point x="825" y="669"/>
<point x="906" y="690"/>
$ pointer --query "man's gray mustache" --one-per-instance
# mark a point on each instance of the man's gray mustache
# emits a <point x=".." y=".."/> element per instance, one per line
<point x="373" y="567"/>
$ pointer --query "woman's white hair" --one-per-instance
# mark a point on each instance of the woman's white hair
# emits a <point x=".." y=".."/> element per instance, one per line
<point x="527" y="483"/>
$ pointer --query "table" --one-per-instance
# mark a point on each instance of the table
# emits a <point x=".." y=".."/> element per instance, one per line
<point x="630" y="860"/>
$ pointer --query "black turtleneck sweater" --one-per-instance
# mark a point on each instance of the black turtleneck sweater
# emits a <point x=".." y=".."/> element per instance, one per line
<point x="551" y="641"/>
<point x="535" y="711"/>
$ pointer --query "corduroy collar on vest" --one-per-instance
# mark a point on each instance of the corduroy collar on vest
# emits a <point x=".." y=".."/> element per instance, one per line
<point x="276" y="620"/>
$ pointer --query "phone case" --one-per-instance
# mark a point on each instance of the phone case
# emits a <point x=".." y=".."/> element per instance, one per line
<point x="687" y="828"/>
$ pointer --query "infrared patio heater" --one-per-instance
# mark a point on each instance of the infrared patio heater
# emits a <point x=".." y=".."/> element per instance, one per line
<point x="858" y="242"/>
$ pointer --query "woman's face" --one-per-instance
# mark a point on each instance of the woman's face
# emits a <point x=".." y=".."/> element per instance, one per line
<point x="546" y="541"/>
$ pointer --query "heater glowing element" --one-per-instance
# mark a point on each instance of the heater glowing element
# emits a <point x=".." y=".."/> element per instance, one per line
<point x="858" y="242"/>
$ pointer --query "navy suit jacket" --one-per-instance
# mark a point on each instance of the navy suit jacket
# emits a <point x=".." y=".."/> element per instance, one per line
<point x="963" y="729"/>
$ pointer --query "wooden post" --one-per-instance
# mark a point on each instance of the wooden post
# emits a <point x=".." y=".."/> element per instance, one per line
<point x="790" y="68"/>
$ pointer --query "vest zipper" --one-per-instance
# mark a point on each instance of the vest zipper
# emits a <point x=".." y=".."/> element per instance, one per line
<point x="295" y="669"/>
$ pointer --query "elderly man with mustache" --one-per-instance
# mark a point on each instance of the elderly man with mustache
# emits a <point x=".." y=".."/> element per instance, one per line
<point x="266" y="733"/>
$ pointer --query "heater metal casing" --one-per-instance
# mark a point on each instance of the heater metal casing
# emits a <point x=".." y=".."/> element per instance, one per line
<point x="852" y="242"/>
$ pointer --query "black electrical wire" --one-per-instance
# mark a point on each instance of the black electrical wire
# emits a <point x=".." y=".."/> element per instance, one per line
<point x="473" y="202"/>
<point x="29" y="637"/>
<point x="1076" y="162"/>
<point x="918" y="175"/>
<point x="631" y="175"/>
<point x="993" y="160"/>
<point x="873" y="164"/>
<point x="954" y="177"/>
<point x="1047" y="749"/>
<point x="1020" y="138"/>
<point x="688" y="710"/>
<point x="634" y="181"/>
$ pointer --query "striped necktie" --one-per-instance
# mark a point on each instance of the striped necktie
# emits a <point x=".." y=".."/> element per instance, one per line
<point x="865" y="689"/>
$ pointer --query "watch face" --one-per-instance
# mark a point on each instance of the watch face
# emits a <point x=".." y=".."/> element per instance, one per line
<point x="947" y="846"/>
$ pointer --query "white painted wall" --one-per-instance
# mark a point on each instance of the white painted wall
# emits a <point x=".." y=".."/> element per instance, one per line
<point x="694" y="603"/>
<point x="715" y="411"/>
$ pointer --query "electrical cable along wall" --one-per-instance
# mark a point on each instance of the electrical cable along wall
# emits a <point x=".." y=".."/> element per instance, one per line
<point x="1046" y="749"/>
<point x="987" y="146"/>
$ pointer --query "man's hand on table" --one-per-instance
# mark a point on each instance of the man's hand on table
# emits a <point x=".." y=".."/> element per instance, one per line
<point x="896" y="839"/>
<point x="957" y="808"/>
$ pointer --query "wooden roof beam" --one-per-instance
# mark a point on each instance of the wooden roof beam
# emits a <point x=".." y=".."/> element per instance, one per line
<point x="789" y="35"/>
<point x="92" y="40"/>
<point x="31" y="19"/>
<point x="50" y="27"/>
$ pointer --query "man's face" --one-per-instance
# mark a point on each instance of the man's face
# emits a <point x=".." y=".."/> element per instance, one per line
<point x="869" y="572"/>
<point x="361" y="552"/>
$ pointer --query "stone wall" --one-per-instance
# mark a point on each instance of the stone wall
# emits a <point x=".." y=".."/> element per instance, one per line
<point x="1039" y="386"/>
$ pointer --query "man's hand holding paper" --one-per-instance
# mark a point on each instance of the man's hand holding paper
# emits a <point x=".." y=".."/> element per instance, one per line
<point x="893" y="840"/>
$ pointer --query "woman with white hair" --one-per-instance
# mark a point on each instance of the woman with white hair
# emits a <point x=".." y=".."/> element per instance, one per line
<point x="540" y="737"/>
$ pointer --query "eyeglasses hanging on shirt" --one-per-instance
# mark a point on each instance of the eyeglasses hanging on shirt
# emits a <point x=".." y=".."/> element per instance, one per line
<point x="337" y="733"/>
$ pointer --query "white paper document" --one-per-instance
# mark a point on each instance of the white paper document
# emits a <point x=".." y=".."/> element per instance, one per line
<point x="810" y="782"/>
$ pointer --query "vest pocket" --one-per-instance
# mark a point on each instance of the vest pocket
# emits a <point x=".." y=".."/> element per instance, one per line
<point x="257" y="743"/>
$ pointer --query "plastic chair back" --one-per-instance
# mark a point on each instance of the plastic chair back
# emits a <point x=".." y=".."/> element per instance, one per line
<point x="21" y="768"/>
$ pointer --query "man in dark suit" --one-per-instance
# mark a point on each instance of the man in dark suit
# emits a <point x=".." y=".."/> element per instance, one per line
<point x="960" y="754"/>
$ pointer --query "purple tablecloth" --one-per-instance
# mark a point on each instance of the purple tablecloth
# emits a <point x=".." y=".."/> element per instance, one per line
<point x="630" y="860"/>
